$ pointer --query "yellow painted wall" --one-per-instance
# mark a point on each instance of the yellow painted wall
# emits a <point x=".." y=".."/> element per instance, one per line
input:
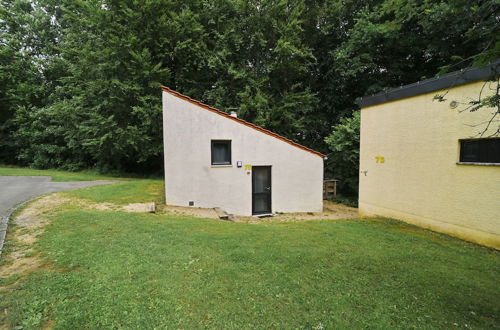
<point x="418" y="179"/>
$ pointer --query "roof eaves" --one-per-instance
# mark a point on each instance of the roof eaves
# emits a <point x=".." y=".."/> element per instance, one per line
<point x="452" y="79"/>
<point x="241" y="121"/>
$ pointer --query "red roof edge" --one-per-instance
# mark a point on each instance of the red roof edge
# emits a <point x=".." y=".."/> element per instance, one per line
<point x="241" y="121"/>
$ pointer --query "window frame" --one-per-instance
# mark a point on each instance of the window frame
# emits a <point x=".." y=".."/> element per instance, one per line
<point x="228" y="142"/>
<point x="461" y="160"/>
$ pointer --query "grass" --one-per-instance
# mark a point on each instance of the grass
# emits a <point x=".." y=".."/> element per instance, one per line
<point x="56" y="175"/>
<point x="126" y="190"/>
<point x="110" y="269"/>
<point x="135" y="191"/>
<point x="63" y="176"/>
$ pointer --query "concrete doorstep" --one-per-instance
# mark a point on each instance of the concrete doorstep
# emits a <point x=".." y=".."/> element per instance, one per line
<point x="223" y="215"/>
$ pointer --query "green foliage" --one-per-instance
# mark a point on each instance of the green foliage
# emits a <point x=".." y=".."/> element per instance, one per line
<point x="343" y="143"/>
<point x="488" y="128"/>
<point x="21" y="84"/>
<point x="398" y="42"/>
<point x="80" y="79"/>
<point x="351" y="200"/>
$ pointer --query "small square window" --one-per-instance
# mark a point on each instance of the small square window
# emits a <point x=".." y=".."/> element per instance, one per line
<point x="221" y="152"/>
<point x="480" y="151"/>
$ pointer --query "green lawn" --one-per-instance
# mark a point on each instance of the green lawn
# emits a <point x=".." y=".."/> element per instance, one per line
<point x="133" y="191"/>
<point x="60" y="176"/>
<point x="111" y="269"/>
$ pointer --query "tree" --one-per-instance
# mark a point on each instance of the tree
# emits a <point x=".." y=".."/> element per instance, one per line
<point x="80" y="79"/>
<point x="25" y="47"/>
<point x="105" y="113"/>
<point x="487" y="98"/>
<point x="343" y="160"/>
<point x="395" y="42"/>
<point x="262" y="63"/>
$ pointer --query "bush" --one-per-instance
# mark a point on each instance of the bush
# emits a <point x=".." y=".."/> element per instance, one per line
<point x="343" y="161"/>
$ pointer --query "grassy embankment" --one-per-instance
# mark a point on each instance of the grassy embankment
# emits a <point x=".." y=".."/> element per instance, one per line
<point x="112" y="269"/>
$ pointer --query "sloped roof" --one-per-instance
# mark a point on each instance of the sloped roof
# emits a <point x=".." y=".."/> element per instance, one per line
<point x="241" y="121"/>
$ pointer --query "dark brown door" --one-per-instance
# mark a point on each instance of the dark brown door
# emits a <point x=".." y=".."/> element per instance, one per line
<point x="261" y="189"/>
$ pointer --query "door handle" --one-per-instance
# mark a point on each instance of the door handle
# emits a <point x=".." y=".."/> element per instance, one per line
<point x="268" y="188"/>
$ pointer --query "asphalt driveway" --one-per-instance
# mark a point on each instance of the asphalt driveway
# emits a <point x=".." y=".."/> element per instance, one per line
<point x="17" y="189"/>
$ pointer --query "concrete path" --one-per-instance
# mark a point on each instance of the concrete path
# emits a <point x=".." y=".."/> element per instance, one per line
<point x="15" y="190"/>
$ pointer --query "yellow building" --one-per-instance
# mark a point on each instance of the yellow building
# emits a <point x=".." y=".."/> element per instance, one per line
<point x="434" y="163"/>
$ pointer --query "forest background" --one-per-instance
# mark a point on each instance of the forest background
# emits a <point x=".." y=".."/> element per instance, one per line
<point x="80" y="80"/>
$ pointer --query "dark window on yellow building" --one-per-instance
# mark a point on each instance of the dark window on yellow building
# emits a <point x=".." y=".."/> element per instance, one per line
<point x="480" y="151"/>
<point x="221" y="152"/>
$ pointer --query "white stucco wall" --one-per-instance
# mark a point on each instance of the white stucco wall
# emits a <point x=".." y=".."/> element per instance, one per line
<point x="297" y="175"/>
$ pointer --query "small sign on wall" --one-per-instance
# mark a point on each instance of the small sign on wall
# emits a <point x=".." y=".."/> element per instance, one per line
<point x="248" y="169"/>
<point x="379" y="159"/>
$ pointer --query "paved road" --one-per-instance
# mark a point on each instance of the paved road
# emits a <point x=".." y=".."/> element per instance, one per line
<point x="17" y="189"/>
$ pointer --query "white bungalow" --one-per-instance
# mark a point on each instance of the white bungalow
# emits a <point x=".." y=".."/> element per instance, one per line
<point x="214" y="159"/>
